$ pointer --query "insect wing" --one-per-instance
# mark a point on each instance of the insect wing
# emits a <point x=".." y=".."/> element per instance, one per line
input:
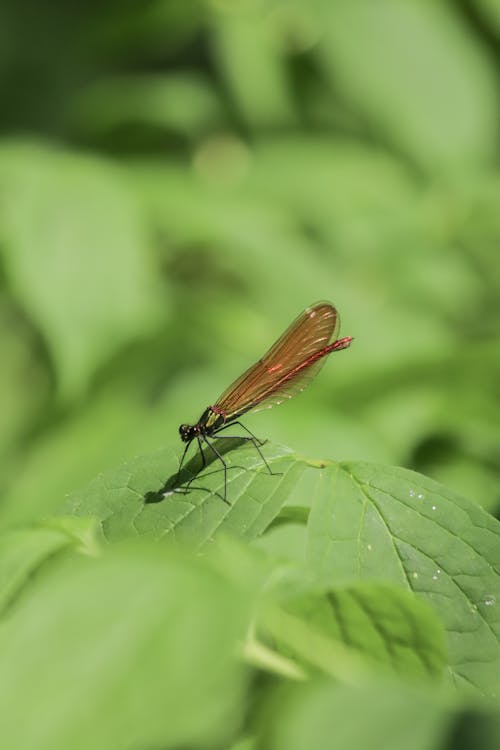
<point x="288" y="366"/>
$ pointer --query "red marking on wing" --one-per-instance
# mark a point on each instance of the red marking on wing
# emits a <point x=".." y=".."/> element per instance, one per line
<point x="289" y="365"/>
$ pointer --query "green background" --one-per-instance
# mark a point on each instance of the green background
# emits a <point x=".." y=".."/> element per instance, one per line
<point x="178" y="180"/>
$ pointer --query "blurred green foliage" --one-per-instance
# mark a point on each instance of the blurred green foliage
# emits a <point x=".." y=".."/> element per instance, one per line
<point x="178" y="180"/>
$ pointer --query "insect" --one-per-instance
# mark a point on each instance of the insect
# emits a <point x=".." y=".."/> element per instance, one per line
<point x="287" y="368"/>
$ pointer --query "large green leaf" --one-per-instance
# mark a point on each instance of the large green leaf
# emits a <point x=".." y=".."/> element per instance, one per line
<point x="133" y="649"/>
<point x="129" y="501"/>
<point x="370" y="521"/>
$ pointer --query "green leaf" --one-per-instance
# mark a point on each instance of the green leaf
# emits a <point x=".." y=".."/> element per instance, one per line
<point x="390" y="524"/>
<point x="129" y="501"/>
<point x="135" y="649"/>
<point x="385" y="715"/>
<point x="79" y="265"/>
<point x="386" y="625"/>
<point x="422" y="77"/>
<point x="22" y="553"/>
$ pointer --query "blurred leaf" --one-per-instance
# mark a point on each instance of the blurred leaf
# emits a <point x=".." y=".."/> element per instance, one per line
<point x="476" y="730"/>
<point x="252" y="63"/>
<point x="23" y="378"/>
<point x="465" y="474"/>
<point x="129" y="501"/>
<point x="85" y="533"/>
<point x="352" y="190"/>
<point x="490" y="11"/>
<point x="285" y="540"/>
<point x="22" y="553"/>
<point x="115" y="652"/>
<point x="243" y="565"/>
<point x="468" y="211"/>
<point x="79" y="266"/>
<point x="147" y="32"/>
<point x="388" y="715"/>
<point x="378" y="522"/>
<point x="415" y="70"/>
<point x="386" y="625"/>
<point x="183" y="103"/>
<point x="244" y="744"/>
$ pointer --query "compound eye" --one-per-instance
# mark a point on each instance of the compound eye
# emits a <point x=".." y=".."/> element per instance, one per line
<point x="184" y="431"/>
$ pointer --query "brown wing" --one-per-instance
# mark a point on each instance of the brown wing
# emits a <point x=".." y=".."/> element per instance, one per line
<point x="289" y="365"/>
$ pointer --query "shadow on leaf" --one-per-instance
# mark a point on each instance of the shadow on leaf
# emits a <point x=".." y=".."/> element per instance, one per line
<point x="181" y="483"/>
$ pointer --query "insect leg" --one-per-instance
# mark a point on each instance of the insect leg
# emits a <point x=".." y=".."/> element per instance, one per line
<point x="252" y="439"/>
<point x="182" y="460"/>
<point x="224" y="464"/>
<point x="260" y="442"/>
<point x="203" y="461"/>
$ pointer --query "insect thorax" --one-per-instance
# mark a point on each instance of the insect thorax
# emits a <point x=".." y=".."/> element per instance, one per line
<point x="211" y="421"/>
